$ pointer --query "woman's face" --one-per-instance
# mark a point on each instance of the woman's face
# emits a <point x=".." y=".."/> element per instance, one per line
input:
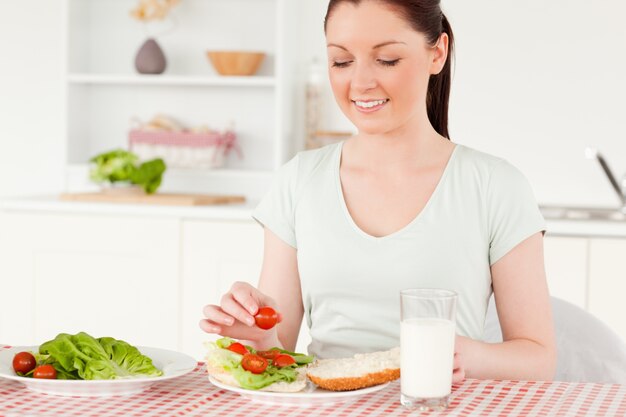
<point x="379" y="66"/>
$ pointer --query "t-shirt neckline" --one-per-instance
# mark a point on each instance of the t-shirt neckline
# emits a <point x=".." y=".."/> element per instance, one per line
<point x="408" y="226"/>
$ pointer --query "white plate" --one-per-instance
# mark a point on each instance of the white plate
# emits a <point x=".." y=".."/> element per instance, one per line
<point x="173" y="365"/>
<point x="311" y="396"/>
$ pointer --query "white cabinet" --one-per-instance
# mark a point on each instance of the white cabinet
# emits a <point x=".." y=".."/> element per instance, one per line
<point x="104" y="92"/>
<point x="591" y="273"/>
<point x="143" y="279"/>
<point x="607" y="282"/>
<point x="566" y="263"/>
<point x="106" y="275"/>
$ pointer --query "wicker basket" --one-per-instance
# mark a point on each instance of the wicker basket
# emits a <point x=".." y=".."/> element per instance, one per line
<point x="184" y="149"/>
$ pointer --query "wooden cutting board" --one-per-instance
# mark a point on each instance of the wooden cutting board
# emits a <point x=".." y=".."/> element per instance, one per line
<point x="165" y="199"/>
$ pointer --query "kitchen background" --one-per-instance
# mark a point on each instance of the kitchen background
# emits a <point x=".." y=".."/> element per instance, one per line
<point x="534" y="82"/>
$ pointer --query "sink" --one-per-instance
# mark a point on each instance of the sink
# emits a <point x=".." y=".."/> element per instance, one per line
<point x="582" y="213"/>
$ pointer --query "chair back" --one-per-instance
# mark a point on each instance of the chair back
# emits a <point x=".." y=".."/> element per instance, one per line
<point x="587" y="349"/>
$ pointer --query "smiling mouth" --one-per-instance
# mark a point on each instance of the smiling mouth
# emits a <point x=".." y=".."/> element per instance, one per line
<point x="370" y="105"/>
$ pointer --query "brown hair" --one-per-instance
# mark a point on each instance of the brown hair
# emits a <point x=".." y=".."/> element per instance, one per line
<point x="426" y="17"/>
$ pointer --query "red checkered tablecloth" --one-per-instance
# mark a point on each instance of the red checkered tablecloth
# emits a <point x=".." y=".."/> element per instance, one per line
<point x="194" y="395"/>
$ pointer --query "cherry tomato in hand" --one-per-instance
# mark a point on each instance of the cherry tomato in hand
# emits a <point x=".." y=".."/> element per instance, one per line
<point x="266" y="318"/>
<point x="253" y="363"/>
<point x="45" y="372"/>
<point x="283" y="360"/>
<point x="238" y="348"/>
<point x="268" y="354"/>
<point x="24" y="362"/>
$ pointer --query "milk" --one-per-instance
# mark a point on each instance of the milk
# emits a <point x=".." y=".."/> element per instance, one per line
<point x="426" y="357"/>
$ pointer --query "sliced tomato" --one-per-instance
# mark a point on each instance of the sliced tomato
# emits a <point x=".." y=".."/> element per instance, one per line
<point x="238" y="348"/>
<point x="266" y="318"/>
<point x="45" y="372"/>
<point x="283" y="360"/>
<point x="253" y="363"/>
<point x="268" y="354"/>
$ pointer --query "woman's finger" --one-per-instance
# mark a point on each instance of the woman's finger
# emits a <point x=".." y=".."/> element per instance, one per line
<point x="457" y="361"/>
<point x="215" y="314"/>
<point x="247" y="296"/>
<point x="233" y="308"/>
<point x="458" y="376"/>
<point x="210" y="327"/>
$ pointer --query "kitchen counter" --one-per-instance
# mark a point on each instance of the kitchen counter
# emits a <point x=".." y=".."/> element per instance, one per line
<point x="51" y="204"/>
<point x="585" y="228"/>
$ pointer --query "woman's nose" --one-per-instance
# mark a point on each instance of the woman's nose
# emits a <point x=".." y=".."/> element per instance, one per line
<point x="363" y="77"/>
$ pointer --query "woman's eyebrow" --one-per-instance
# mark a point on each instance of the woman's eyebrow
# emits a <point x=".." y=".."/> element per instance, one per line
<point x="380" y="45"/>
<point x="333" y="45"/>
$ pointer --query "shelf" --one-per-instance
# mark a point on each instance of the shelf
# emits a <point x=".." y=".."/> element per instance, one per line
<point x="104" y="95"/>
<point x="171" y="80"/>
<point x="249" y="182"/>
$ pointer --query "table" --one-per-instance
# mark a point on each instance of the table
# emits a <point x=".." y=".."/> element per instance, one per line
<point x="193" y="395"/>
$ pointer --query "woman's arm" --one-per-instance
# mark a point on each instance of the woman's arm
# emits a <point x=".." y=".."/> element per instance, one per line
<point x="528" y="351"/>
<point x="279" y="287"/>
<point x="281" y="281"/>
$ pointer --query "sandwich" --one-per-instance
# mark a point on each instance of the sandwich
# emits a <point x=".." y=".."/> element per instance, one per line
<point x="275" y="370"/>
<point x="278" y="370"/>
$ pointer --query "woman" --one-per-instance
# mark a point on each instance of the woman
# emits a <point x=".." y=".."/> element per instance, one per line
<point x="397" y="206"/>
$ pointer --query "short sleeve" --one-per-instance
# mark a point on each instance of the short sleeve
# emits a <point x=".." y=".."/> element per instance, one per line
<point x="276" y="209"/>
<point x="513" y="212"/>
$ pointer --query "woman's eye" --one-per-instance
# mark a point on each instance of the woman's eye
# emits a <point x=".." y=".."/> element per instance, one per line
<point x="342" y="64"/>
<point x="388" y="63"/>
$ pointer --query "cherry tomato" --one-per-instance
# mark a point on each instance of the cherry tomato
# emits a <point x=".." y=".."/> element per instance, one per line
<point x="238" y="348"/>
<point x="268" y="354"/>
<point x="24" y="362"/>
<point x="283" y="360"/>
<point x="266" y="318"/>
<point x="45" y="372"/>
<point x="253" y="363"/>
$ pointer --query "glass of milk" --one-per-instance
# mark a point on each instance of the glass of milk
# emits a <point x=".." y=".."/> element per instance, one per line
<point x="427" y="333"/>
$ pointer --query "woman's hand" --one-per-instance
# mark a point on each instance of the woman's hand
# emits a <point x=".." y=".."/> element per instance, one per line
<point x="458" y="367"/>
<point x="458" y="370"/>
<point x="234" y="317"/>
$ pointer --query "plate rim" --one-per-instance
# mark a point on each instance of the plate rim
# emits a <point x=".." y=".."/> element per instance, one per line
<point x="94" y="382"/>
<point x="325" y="394"/>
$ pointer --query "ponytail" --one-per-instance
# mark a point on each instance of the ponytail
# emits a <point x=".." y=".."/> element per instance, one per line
<point x="438" y="94"/>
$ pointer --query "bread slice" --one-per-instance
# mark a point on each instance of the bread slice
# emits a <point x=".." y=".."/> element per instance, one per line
<point x="361" y="371"/>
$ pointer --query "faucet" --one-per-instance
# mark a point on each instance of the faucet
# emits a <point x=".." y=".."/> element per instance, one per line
<point x="592" y="153"/>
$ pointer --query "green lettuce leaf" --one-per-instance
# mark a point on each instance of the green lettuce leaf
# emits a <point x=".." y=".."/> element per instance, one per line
<point x="123" y="166"/>
<point x="272" y="374"/>
<point x="81" y="356"/>
<point x="300" y="358"/>
<point x="113" y="166"/>
<point x="149" y="175"/>
<point x="224" y="342"/>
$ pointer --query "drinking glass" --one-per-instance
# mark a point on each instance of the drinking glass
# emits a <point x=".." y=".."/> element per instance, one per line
<point x="427" y="333"/>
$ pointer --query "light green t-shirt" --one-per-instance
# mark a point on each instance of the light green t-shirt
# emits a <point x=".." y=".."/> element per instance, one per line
<point x="481" y="208"/>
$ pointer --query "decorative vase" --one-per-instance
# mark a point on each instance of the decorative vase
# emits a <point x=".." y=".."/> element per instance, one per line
<point x="150" y="58"/>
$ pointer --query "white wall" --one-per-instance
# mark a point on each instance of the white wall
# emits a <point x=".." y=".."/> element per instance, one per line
<point x="31" y="96"/>
<point x="535" y="82"/>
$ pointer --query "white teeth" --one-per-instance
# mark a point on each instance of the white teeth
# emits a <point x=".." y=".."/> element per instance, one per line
<point x="370" y="104"/>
